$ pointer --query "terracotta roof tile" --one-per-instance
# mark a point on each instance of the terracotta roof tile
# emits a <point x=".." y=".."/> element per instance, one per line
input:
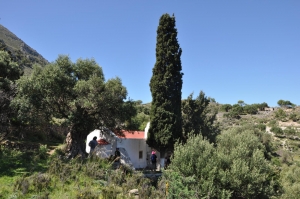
<point x="132" y="134"/>
<point x="102" y="142"/>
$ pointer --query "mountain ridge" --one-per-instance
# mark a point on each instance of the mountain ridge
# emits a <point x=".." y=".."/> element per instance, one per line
<point x="19" y="51"/>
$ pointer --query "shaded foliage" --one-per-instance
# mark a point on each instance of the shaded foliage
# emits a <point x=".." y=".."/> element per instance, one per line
<point x="139" y="122"/>
<point x="75" y="92"/>
<point x="225" y="107"/>
<point x="14" y="161"/>
<point x="198" y="117"/>
<point x="9" y="72"/>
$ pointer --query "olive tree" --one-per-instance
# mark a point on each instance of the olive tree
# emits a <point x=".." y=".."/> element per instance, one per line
<point x="77" y="93"/>
<point x="10" y="71"/>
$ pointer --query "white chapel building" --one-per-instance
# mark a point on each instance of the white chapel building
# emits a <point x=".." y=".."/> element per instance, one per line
<point x="133" y="147"/>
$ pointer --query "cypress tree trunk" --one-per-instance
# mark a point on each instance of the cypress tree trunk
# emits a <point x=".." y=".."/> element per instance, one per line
<point x="165" y="85"/>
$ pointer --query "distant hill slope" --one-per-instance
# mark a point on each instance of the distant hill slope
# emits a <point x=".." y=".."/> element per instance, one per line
<point x="20" y="52"/>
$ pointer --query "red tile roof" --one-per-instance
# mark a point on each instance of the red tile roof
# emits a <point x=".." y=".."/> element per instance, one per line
<point x="132" y="134"/>
<point x="102" y="142"/>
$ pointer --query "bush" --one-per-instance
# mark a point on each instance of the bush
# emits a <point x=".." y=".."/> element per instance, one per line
<point x="281" y="115"/>
<point x="22" y="184"/>
<point x="285" y="156"/>
<point x="12" y="159"/>
<point x="235" y="168"/>
<point x="225" y="107"/>
<point x="294" y="117"/>
<point x="86" y="194"/>
<point x="290" y="181"/>
<point x="276" y="130"/>
<point x="42" y="153"/>
<point x="262" y="120"/>
<point x="179" y="186"/>
<point x="273" y="123"/>
<point x="250" y="109"/>
<point x="261" y="127"/>
<point x="232" y="114"/>
<point x="290" y="131"/>
<point x="41" y="181"/>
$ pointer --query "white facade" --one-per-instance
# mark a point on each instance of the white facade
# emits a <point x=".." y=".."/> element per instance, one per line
<point x="138" y="151"/>
<point x="133" y="148"/>
<point x="109" y="136"/>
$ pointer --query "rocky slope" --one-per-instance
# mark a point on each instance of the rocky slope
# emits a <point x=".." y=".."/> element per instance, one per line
<point x="20" y="52"/>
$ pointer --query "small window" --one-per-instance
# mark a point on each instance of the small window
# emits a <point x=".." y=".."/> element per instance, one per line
<point x="140" y="154"/>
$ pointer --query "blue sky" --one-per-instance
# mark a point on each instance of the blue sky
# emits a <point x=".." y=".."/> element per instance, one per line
<point x="232" y="50"/>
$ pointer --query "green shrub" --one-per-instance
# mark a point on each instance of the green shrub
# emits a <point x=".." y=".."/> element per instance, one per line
<point x="276" y="130"/>
<point x="42" y="153"/>
<point x="250" y="109"/>
<point x="290" y="131"/>
<point x="83" y="174"/>
<point x="233" y="114"/>
<point x="281" y="115"/>
<point x="266" y="140"/>
<point x="262" y="120"/>
<point x="41" y="181"/>
<point x="22" y="184"/>
<point x="285" y="156"/>
<point x="276" y="161"/>
<point x="290" y="182"/>
<point x="225" y="107"/>
<point x="12" y="159"/>
<point x="273" y="123"/>
<point x="235" y="168"/>
<point x="261" y="127"/>
<point x="86" y="194"/>
<point x="58" y="152"/>
<point x="110" y="192"/>
<point x="179" y="186"/>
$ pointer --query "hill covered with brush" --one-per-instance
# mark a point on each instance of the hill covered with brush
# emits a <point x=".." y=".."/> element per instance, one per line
<point x="19" y="51"/>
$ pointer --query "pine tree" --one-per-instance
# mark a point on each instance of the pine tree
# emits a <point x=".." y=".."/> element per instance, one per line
<point x="165" y="85"/>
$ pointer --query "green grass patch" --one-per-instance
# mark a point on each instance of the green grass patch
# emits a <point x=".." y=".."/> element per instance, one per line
<point x="58" y="177"/>
<point x="15" y="162"/>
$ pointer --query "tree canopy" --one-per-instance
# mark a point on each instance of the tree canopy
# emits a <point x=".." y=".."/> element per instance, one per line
<point x="9" y="72"/>
<point x="285" y="103"/>
<point x="75" y="92"/>
<point x="198" y="117"/>
<point x="165" y="85"/>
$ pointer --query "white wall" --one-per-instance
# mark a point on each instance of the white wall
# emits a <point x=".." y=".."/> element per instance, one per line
<point x="89" y="138"/>
<point x="104" y="151"/>
<point x="133" y="147"/>
<point x="100" y="135"/>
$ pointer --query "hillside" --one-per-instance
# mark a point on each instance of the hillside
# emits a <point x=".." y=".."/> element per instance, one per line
<point x="20" y="52"/>
<point x="282" y="124"/>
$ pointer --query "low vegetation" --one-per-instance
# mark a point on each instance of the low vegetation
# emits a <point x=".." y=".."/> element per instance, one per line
<point x="58" y="177"/>
<point x="246" y="161"/>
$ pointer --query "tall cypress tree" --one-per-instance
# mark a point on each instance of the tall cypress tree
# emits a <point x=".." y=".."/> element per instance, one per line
<point x="165" y="85"/>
